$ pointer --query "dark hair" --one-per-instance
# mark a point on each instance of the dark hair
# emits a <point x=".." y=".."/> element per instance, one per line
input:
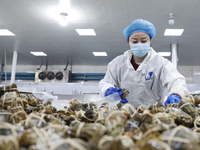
<point x="127" y="40"/>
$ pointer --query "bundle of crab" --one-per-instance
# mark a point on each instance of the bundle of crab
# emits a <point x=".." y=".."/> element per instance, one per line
<point x="28" y="124"/>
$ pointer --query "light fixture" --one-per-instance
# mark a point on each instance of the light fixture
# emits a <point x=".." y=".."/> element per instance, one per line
<point x="173" y="32"/>
<point x="86" y="32"/>
<point x="5" y="32"/>
<point x="197" y="73"/>
<point x="164" y="53"/>
<point x="171" y="19"/>
<point x="64" y="6"/>
<point x="100" y="53"/>
<point x="38" y="53"/>
<point x="63" y="19"/>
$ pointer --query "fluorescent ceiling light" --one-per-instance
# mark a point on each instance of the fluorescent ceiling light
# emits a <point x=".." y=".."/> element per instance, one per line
<point x="100" y="53"/>
<point x="173" y="32"/>
<point x="197" y="73"/>
<point x="5" y="32"/>
<point x="82" y="32"/>
<point x="164" y="53"/>
<point x="63" y="22"/>
<point x="38" y="53"/>
<point x="64" y="6"/>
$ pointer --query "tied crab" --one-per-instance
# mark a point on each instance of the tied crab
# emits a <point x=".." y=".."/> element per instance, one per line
<point x="8" y="137"/>
<point x="7" y="99"/>
<point x="115" y="123"/>
<point x="76" y="105"/>
<point x="188" y="108"/>
<point x="88" y="132"/>
<point x="27" y="123"/>
<point x="90" y="116"/>
<point x="180" y="138"/>
<point x="157" y="108"/>
<point x="71" y="144"/>
<point x="123" y="142"/>
<point x="180" y="117"/>
<point x="152" y="144"/>
<point x="5" y="115"/>
<point x="195" y="100"/>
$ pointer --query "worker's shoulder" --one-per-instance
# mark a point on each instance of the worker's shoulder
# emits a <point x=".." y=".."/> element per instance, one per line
<point x="118" y="62"/>
<point x="159" y="62"/>
<point x="159" y="59"/>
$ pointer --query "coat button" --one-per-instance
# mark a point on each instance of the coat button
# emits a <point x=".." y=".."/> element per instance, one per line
<point x="143" y="71"/>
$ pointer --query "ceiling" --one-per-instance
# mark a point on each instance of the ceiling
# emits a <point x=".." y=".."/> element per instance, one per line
<point x="37" y="29"/>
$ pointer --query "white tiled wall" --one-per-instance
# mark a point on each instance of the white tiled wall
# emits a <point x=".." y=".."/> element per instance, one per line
<point x="33" y="68"/>
<point x="75" y="69"/>
<point x="191" y="73"/>
<point x="89" y="69"/>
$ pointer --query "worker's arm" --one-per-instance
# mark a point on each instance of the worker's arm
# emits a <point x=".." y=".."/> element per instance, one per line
<point x="109" y="80"/>
<point x="173" y="80"/>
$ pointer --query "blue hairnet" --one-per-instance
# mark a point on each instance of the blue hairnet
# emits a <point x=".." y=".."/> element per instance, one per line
<point x="140" y="25"/>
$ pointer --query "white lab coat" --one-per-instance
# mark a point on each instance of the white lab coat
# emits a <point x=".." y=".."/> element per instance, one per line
<point x="147" y="84"/>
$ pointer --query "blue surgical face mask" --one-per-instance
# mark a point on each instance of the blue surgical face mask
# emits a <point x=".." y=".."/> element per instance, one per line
<point x="140" y="49"/>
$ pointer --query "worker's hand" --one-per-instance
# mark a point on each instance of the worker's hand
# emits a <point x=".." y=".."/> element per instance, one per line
<point x="172" y="99"/>
<point x="124" y="100"/>
<point x="114" y="90"/>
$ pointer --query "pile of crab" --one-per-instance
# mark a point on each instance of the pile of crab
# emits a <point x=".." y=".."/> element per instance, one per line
<point x="28" y="124"/>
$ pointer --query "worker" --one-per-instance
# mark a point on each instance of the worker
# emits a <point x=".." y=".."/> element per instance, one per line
<point x="142" y="71"/>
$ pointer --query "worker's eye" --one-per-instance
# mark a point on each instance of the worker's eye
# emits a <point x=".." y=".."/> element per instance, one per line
<point x="144" y="41"/>
<point x="134" y="41"/>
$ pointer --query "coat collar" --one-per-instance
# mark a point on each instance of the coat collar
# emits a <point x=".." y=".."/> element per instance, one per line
<point x="151" y="54"/>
